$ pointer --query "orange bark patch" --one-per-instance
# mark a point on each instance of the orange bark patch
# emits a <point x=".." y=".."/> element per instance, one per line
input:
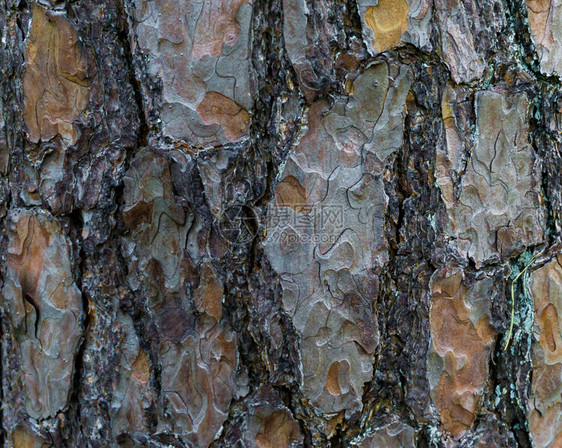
<point x="388" y="20"/>
<point x="216" y="27"/>
<point x="23" y="437"/>
<point x="218" y="109"/>
<point x="56" y="79"/>
<point x="279" y="431"/>
<point x="332" y="382"/>
<point x="540" y="20"/>
<point x="26" y="252"/>
<point x="463" y="346"/>
<point x="290" y="193"/>
<point x="545" y="405"/>
<point x="208" y="297"/>
<point x="140" y="369"/>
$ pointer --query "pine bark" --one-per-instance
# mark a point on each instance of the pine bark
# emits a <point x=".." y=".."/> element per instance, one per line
<point x="280" y="223"/>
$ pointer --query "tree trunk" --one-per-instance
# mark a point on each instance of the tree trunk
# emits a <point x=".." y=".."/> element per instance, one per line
<point x="281" y="223"/>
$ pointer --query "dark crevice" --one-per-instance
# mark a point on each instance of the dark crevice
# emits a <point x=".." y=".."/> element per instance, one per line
<point x="134" y="305"/>
<point x="31" y="301"/>
<point x="2" y="336"/>
<point x="518" y="21"/>
<point x="76" y="225"/>
<point x="125" y="34"/>
<point x="510" y="369"/>
<point x="287" y="396"/>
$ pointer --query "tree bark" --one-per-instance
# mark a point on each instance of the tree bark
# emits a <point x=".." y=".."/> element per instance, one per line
<point x="280" y="223"/>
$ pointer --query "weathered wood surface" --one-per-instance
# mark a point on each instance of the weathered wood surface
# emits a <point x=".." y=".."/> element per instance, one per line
<point x="281" y="223"/>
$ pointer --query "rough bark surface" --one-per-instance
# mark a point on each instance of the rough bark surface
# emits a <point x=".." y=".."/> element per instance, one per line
<point x="281" y="223"/>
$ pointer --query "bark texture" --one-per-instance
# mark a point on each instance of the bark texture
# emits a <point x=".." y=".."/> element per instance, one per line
<point x="281" y="223"/>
